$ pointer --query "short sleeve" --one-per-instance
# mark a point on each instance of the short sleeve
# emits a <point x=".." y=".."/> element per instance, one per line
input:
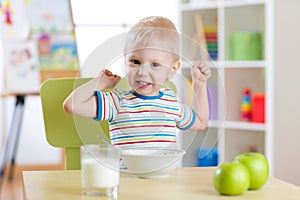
<point x="106" y="105"/>
<point x="187" y="119"/>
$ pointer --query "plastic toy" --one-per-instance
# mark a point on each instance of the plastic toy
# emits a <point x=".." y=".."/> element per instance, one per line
<point x="246" y="105"/>
<point x="258" y="108"/>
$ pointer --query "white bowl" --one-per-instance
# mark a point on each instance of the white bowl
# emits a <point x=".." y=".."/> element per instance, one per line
<point x="151" y="163"/>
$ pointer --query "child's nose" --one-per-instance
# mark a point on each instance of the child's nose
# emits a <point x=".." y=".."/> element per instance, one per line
<point x="144" y="69"/>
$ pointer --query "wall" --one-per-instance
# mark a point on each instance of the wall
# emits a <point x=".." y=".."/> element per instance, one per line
<point x="33" y="148"/>
<point x="286" y="90"/>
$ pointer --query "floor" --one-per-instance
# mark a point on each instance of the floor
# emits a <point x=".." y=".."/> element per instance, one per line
<point x="13" y="189"/>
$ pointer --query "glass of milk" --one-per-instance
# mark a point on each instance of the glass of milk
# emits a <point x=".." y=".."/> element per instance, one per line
<point x="100" y="170"/>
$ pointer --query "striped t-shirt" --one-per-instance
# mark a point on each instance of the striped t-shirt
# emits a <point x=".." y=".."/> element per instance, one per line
<point x="143" y="121"/>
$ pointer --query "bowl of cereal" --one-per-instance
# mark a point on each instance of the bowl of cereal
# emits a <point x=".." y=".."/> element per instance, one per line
<point x="151" y="163"/>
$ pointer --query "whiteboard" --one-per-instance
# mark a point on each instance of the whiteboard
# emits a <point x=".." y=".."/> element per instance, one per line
<point x="22" y="74"/>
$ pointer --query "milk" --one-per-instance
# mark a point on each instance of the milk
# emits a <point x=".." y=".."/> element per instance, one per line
<point x="102" y="173"/>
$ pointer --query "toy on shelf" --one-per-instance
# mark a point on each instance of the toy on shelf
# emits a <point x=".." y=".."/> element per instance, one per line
<point x="246" y="105"/>
<point x="7" y="13"/>
<point x="206" y="38"/>
<point x="258" y="108"/>
<point x="211" y="35"/>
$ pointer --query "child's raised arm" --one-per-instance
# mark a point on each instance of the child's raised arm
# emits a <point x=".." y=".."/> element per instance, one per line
<point x="200" y="75"/>
<point x="82" y="102"/>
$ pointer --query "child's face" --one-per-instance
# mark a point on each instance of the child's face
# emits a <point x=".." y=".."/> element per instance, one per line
<point x="148" y="69"/>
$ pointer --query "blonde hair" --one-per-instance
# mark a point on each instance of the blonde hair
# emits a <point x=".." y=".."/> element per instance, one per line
<point x="153" y="32"/>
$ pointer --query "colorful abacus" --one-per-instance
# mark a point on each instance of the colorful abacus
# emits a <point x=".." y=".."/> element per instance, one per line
<point x="211" y="36"/>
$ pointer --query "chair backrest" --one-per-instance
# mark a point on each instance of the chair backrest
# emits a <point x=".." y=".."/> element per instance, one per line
<point x="67" y="131"/>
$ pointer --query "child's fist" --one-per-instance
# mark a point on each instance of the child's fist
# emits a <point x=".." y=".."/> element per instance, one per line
<point x="109" y="79"/>
<point x="200" y="72"/>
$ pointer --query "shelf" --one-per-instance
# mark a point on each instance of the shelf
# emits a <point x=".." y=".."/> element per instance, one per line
<point x="214" y="124"/>
<point x="204" y="5"/>
<point x="200" y="5"/>
<point x="245" y="126"/>
<point x="230" y="76"/>
<point x="244" y="64"/>
<point x="230" y="64"/>
<point x="211" y="64"/>
<point x="237" y="125"/>
<point x="235" y="3"/>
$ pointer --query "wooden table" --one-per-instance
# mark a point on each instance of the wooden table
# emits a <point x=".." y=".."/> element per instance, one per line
<point x="183" y="184"/>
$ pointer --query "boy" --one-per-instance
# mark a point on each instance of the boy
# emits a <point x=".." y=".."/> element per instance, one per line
<point x="147" y="115"/>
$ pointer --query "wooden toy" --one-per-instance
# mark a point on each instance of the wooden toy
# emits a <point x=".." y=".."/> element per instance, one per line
<point x="199" y="38"/>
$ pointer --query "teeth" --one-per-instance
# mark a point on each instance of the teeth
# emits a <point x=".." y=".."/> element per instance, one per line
<point x="143" y="83"/>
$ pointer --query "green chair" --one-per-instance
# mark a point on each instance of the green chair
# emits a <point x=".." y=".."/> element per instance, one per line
<point x="67" y="131"/>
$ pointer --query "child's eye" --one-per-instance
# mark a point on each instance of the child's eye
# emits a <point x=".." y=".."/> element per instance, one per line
<point x="155" y="64"/>
<point x="136" y="62"/>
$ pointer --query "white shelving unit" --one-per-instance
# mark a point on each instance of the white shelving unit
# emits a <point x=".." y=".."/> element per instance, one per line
<point x="227" y="132"/>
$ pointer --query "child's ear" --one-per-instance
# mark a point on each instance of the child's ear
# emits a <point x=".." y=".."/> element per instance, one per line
<point x="175" y="68"/>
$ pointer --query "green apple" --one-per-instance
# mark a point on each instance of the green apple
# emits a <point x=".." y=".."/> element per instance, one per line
<point x="231" y="178"/>
<point x="258" y="167"/>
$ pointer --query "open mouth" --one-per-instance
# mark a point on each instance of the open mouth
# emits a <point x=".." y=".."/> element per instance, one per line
<point x="142" y="84"/>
